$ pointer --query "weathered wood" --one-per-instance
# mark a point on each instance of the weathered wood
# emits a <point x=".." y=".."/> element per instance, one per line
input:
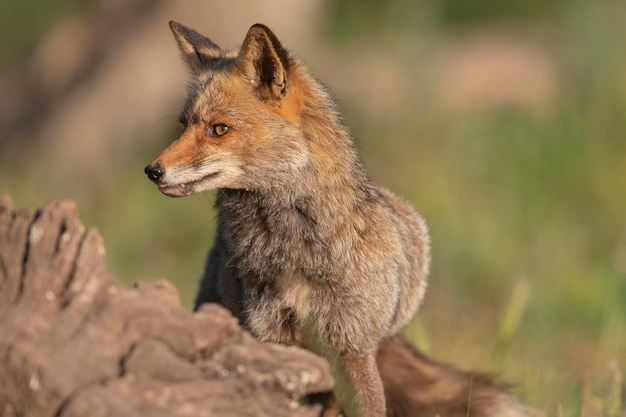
<point x="74" y="343"/>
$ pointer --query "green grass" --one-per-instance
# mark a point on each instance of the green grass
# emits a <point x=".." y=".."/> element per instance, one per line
<point x="527" y="214"/>
<point x="528" y="217"/>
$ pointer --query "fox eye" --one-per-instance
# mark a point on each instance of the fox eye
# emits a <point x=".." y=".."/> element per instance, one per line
<point x="217" y="130"/>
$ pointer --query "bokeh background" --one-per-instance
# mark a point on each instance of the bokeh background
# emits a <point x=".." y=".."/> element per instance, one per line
<point x="504" y="123"/>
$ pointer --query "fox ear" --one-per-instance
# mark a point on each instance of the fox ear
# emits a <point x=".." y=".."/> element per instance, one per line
<point x="265" y="61"/>
<point x="197" y="50"/>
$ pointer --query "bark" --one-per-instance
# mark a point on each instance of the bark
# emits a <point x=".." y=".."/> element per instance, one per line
<point x="75" y="343"/>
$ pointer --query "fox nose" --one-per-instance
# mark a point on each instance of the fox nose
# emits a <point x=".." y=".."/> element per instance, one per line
<point x="154" y="172"/>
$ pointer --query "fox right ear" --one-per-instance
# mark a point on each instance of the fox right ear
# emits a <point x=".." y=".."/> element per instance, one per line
<point x="197" y="50"/>
<point x="265" y="61"/>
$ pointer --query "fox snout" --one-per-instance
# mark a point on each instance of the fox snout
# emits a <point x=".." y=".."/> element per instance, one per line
<point x="154" y="172"/>
<point x="188" y="176"/>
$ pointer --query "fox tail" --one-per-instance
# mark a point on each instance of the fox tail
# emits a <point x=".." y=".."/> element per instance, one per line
<point x="416" y="386"/>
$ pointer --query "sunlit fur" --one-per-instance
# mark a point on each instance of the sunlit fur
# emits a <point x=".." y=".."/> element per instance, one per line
<point x="309" y="250"/>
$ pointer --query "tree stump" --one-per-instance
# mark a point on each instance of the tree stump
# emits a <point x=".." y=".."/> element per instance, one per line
<point x="74" y="343"/>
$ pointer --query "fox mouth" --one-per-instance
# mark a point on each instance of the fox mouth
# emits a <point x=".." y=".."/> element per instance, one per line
<point x="187" y="188"/>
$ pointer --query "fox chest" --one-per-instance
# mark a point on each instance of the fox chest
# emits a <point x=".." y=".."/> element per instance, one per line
<point x="273" y="243"/>
<point x="287" y="313"/>
<point x="300" y="298"/>
<point x="295" y="293"/>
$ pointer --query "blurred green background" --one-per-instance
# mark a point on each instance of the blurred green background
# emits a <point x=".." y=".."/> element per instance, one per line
<point x="504" y="123"/>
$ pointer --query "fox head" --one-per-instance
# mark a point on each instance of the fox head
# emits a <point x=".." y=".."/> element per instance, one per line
<point x="241" y="120"/>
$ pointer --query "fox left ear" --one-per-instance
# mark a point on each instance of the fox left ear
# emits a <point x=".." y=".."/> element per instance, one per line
<point x="264" y="60"/>
<point x="197" y="50"/>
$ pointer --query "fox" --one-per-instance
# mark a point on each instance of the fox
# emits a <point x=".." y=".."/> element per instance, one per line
<point x="309" y="250"/>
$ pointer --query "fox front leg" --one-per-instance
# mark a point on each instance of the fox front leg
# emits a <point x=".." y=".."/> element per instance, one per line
<point x="358" y="386"/>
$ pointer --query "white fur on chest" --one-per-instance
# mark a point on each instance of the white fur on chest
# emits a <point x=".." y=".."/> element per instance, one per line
<point x="297" y="294"/>
<point x="295" y="291"/>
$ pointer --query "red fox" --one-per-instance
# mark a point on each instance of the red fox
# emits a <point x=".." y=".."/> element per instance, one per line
<point x="309" y="250"/>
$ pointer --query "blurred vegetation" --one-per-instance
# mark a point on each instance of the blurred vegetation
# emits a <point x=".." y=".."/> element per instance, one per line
<point x="358" y="18"/>
<point x="23" y="22"/>
<point x="527" y="210"/>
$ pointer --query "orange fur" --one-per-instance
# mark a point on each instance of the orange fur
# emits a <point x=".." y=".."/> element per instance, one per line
<point x="309" y="250"/>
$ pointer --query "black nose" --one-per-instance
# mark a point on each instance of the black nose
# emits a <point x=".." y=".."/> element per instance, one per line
<point x="155" y="172"/>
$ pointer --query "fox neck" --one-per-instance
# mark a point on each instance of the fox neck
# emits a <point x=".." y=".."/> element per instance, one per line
<point x="292" y="230"/>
